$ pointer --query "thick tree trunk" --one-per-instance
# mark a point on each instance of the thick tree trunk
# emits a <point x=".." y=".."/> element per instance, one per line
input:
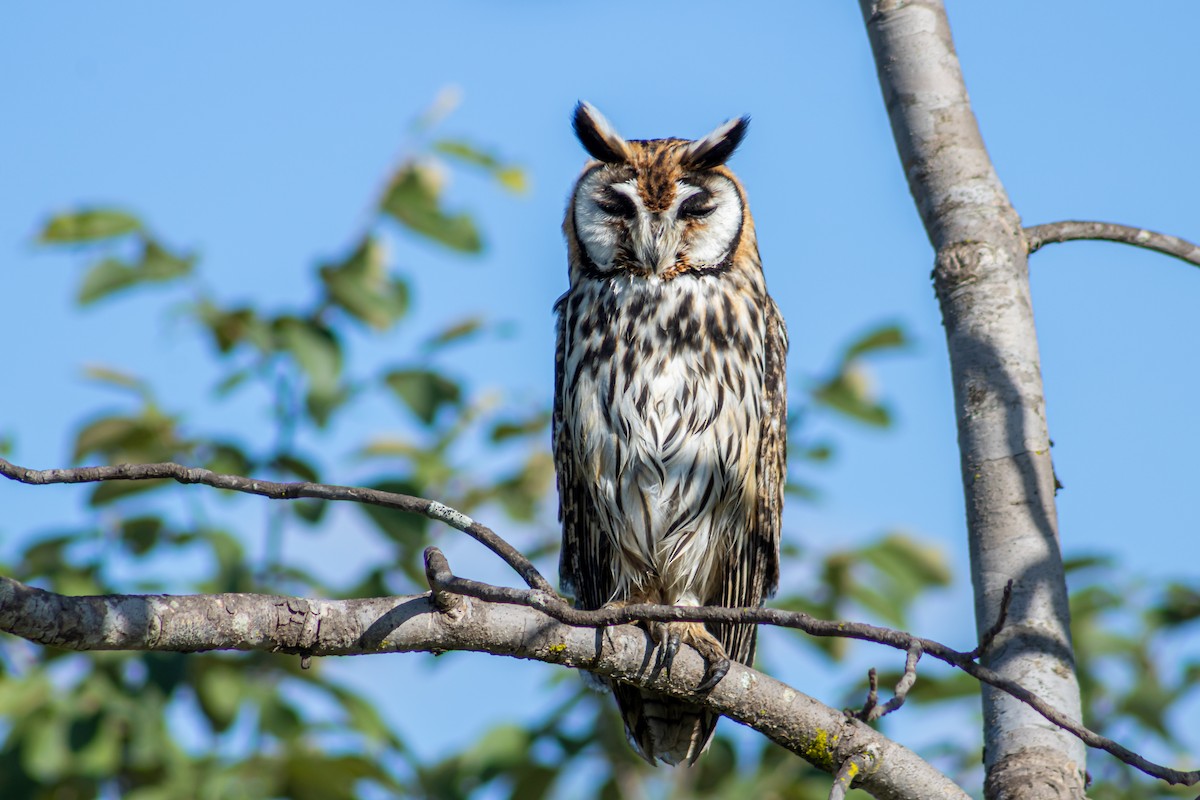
<point x="982" y="283"/>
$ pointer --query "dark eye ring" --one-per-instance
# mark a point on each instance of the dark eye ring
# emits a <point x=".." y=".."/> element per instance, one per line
<point x="616" y="205"/>
<point x="697" y="206"/>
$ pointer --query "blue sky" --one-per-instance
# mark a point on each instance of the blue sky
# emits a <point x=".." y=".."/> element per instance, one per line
<point x="259" y="138"/>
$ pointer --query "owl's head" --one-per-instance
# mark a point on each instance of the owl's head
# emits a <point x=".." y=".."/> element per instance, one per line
<point x="656" y="208"/>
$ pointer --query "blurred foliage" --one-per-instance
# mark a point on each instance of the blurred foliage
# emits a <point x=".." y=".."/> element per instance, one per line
<point x="148" y="726"/>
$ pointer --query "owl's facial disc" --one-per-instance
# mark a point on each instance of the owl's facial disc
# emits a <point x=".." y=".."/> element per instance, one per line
<point x="620" y="229"/>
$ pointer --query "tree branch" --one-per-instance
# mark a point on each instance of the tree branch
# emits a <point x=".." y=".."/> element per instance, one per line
<point x="289" y="491"/>
<point x="1038" y="236"/>
<point x="914" y="646"/>
<point x="87" y="623"/>
<point x="822" y="735"/>
<point x="860" y="763"/>
<point x="871" y="710"/>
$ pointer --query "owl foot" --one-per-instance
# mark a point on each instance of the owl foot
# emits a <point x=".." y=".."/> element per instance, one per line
<point x="669" y="635"/>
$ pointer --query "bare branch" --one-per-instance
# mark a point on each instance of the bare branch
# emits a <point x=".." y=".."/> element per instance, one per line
<point x="437" y="569"/>
<point x="990" y="634"/>
<point x="82" y="624"/>
<point x="1037" y="236"/>
<point x="861" y="763"/>
<point x="554" y="606"/>
<point x="872" y="711"/>
<point x="872" y="695"/>
<point x="288" y="491"/>
<point x="820" y="734"/>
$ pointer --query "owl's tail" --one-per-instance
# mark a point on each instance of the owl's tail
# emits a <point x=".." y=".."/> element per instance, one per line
<point x="663" y="728"/>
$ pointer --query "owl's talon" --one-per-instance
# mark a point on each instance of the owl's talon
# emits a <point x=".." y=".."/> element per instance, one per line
<point x="712" y="675"/>
<point x="670" y="648"/>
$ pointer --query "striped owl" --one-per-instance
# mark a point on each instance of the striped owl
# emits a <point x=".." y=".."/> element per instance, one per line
<point x="669" y="406"/>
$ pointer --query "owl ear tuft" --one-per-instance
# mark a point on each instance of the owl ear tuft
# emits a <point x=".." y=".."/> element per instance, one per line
<point x="716" y="148"/>
<point x="598" y="136"/>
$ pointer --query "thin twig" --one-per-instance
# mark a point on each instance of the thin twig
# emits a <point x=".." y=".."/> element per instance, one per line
<point x="542" y="597"/>
<point x="872" y="695"/>
<point x="863" y="762"/>
<point x="1073" y="230"/>
<point x="991" y="633"/>
<point x="289" y="491"/>
<point x="872" y="711"/>
<point x="437" y="569"/>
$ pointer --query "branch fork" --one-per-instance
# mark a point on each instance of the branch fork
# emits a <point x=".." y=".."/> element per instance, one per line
<point x="447" y="593"/>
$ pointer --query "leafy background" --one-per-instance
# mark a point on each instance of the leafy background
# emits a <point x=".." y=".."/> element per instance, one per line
<point x="284" y="247"/>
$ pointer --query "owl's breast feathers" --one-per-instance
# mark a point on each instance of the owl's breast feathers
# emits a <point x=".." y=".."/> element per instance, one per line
<point x="663" y="391"/>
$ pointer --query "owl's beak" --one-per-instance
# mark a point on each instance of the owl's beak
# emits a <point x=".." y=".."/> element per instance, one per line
<point x="662" y="247"/>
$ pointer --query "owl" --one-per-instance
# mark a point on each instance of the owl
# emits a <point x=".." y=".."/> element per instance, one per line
<point x="670" y="404"/>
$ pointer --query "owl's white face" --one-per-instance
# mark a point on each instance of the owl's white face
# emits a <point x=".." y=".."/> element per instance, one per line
<point x="620" y="228"/>
<point x="658" y="208"/>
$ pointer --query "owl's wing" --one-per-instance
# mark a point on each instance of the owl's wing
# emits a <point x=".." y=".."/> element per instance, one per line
<point x="585" y="567"/>
<point x="753" y="574"/>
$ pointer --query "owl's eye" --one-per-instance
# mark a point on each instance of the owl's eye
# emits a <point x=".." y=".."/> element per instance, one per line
<point x="616" y="204"/>
<point x="697" y="206"/>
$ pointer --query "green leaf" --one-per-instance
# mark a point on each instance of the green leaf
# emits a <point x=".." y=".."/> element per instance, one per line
<point x="227" y="457"/>
<point x="219" y="691"/>
<point x="147" y="438"/>
<point x="412" y="199"/>
<point x="455" y="333"/>
<point x="513" y="179"/>
<point x="108" y="276"/>
<point x="315" y="776"/>
<point x="466" y="152"/>
<point x="105" y="435"/>
<point x="115" y="378"/>
<point x="101" y="756"/>
<point x="509" y="176"/>
<point x="1180" y="606"/>
<point x="88" y="225"/>
<point x="1079" y="563"/>
<point x="848" y="393"/>
<point x="363" y="717"/>
<point x="361" y="287"/>
<point x="112" y="275"/>
<point x="295" y="466"/>
<point x="504" y="430"/>
<point x="321" y="402"/>
<point x="160" y="264"/>
<point x="46" y="556"/>
<point x="311" y="511"/>
<point x="403" y="528"/>
<point x="279" y="718"/>
<point x="423" y="391"/>
<point x="908" y="556"/>
<point x="532" y="781"/>
<point x="229" y="328"/>
<point x="141" y="534"/>
<point x="46" y="754"/>
<point x="521" y="492"/>
<point x="316" y="349"/>
<point x="817" y="452"/>
<point x="110" y="491"/>
<point x="883" y="338"/>
<point x="500" y="749"/>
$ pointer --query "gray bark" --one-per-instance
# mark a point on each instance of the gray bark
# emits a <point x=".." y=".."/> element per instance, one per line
<point x="982" y="284"/>
<point x="824" y="736"/>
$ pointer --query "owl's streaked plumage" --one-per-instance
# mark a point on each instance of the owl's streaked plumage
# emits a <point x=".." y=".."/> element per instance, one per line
<point x="670" y="405"/>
